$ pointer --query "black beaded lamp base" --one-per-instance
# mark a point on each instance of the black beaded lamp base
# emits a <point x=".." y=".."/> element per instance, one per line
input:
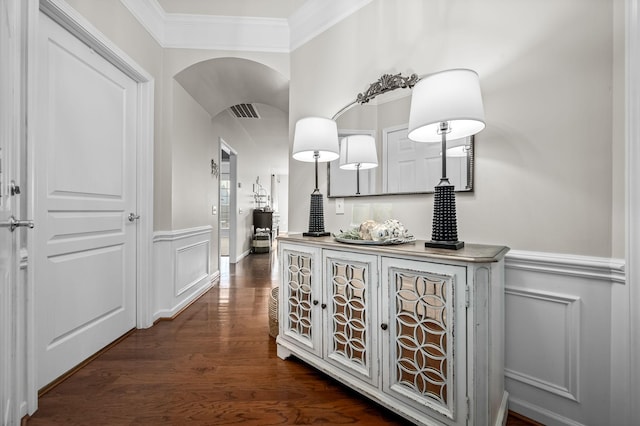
<point x="316" y="217"/>
<point x="444" y="233"/>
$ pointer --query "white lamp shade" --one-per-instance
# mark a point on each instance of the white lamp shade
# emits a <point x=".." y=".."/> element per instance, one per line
<point x="315" y="135"/>
<point x="451" y="96"/>
<point x="358" y="149"/>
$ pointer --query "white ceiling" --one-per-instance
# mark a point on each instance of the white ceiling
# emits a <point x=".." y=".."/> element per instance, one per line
<point x="222" y="82"/>
<point x="256" y="8"/>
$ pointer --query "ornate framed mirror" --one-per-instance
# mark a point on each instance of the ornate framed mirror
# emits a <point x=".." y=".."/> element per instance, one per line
<point x="404" y="166"/>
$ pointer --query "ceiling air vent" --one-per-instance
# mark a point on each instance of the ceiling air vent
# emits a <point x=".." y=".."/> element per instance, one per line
<point x="244" y="111"/>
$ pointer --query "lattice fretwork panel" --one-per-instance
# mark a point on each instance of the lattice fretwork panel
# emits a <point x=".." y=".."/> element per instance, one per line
<point x="349" y="320"/>
<point x="424" y="338"/>
<point x="299" y="294"/>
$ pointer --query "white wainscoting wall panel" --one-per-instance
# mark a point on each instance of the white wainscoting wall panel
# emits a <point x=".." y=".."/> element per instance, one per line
<point x="182" y="269"/>
<point x="558" y="336"/>
<point x="538" y="312"/>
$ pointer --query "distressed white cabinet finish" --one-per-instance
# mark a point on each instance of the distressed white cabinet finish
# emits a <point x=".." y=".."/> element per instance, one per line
<point x="350" y="299"/>
<point x="425" y="303"/>
<point x="420" y="331"/>
<point x="301" y="288"/>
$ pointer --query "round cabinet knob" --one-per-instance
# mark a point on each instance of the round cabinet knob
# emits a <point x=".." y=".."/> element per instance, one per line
<point x="384" y="326"/>
<point x="315" y="302"/>
<point x="324" y="305"/>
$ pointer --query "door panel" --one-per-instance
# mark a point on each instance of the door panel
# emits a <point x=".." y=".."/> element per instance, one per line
<point x="409" y="164"/>
<point x="85" y="277"/>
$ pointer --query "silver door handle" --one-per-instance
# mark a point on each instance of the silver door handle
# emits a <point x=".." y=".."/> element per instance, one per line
<point x="13" y="223"/>
<point x="133" y="216"/>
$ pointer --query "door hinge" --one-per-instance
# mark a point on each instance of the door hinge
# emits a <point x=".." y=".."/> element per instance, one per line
<point x="467" y="296"/>
<point x="468" y="409"/>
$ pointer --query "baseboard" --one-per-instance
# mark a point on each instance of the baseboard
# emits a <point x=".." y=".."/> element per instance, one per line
<point x="170" y="314"/>
<point x="540" y="414"/>
<point x="243" y="255"/>
<point x="503" y="412"/>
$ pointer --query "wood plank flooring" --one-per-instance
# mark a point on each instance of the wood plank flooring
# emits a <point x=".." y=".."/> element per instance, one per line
<point x="214" y="364"/>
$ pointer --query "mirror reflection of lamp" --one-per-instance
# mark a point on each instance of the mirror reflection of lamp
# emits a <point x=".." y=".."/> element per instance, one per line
<point x="458" y="148"/>
<point x="446" y="104"/>
<point x="358" y="152"/>
<point x="315" y="140"/>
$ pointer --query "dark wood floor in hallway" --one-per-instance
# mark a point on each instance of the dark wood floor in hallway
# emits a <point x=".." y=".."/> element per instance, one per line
<point x="215" y="364"/>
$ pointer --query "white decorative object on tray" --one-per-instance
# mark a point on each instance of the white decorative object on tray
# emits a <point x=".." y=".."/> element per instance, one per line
<point x="390" y="241"/>
<point x="370" y="232"/>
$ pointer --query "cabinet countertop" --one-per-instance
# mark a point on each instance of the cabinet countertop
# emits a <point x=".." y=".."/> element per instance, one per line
<point x="475" y="253"/>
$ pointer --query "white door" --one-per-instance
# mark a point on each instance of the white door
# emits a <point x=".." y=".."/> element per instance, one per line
<point x="85" y="188"/>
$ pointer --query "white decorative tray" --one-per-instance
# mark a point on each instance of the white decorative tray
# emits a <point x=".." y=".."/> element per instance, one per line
<point x="388" y="242"/>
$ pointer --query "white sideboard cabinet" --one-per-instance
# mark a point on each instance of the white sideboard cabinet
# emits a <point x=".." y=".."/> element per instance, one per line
<point x="420" y="331"/>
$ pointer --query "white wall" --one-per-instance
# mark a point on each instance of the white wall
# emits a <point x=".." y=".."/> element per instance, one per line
<point x="195" y="189"/>
<point x="545" y="158"/>
<point x="283" y="202"/>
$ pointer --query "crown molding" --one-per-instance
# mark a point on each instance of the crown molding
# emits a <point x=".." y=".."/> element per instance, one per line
<point x="316" y="16"/>
<point x="151" y="15"/>
<point x="185" y="31"/>
<point x="238" y="33"/>
<point x="226" y="33"/>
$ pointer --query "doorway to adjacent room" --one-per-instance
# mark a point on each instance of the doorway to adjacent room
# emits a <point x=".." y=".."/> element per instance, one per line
<point x="228" y="203"/>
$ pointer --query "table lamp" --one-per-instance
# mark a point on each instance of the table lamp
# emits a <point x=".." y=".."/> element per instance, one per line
<point x="316" y="140"/>
<point x="446" y="104"/>
<point x="358" y="152"/>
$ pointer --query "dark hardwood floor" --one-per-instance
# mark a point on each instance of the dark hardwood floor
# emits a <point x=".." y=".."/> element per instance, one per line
<point x="214" y="364"/>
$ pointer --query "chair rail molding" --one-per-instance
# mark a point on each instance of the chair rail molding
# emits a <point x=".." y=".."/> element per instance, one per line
<point x="566" y="264"/>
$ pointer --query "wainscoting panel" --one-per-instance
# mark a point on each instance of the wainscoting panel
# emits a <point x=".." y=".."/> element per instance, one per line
<point x="192" y="266"/>
<point x="558" y="336"/>
<point x="182" y="269"/>
<point x="555" y="320"/>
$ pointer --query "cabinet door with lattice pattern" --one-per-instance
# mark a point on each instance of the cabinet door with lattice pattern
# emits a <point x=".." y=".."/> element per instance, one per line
<point x="351" y="286"/>
<point x="424" y="342"/>
<point x="300" y="295"/>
